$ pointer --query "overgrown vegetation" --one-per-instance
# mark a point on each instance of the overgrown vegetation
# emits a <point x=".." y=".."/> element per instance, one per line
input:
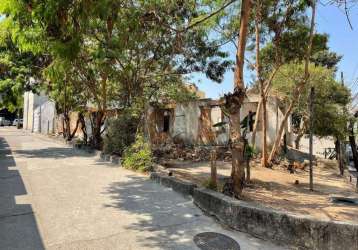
<point x="138" y="156"/>
<point x="120" y="133"/>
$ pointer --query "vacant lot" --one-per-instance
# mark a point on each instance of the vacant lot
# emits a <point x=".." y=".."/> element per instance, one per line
<point x="276" y="187"/>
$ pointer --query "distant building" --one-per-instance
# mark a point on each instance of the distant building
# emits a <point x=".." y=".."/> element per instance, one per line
<point x="39" y="113"/>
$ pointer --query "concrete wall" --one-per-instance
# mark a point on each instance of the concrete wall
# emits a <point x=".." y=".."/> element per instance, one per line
<point x="299" y="231"/>
<point x="294" y="231"/>
<point x="274" y="119"/>
<point x="186" y="122"/>
<point x="48" y="113"/>
<point x="39" y="113"/>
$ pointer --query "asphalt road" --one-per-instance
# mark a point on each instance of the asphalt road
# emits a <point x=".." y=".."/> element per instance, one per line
<point x="54" y="197"/>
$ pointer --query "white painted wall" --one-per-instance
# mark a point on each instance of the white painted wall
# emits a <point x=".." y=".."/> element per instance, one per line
<point x="39" y="113"/>
<point x="186" y="122"/>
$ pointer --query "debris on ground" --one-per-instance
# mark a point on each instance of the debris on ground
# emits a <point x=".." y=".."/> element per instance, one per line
<point x="198" y="153"/>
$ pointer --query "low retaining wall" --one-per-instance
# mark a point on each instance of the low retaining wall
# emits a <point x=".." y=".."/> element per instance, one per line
<point x="182" y="187"/>
<point x="299" y="231"/>
<point x="303" y="232"/>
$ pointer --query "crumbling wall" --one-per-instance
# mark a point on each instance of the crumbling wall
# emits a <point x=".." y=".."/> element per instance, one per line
<point x="192" y="123"/>
<point x="186" y="122"/>
<point x="274" y="119"/>
<point x="155" y="125"/>
<point x="221" y="132"/>
<point x="206" y="133"/>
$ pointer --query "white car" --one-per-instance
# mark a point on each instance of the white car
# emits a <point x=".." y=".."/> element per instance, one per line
<point x="17" y="121"/>
<point x="4" y="122"/>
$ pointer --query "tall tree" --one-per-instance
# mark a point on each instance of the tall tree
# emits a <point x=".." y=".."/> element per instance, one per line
<point x="234" y="102"/>
<point x="299" y="87"/>
<point x="258" y="20"/>
<point x="331" y="98"/>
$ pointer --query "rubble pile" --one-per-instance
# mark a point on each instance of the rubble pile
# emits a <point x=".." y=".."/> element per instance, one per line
<point x="188" y="152"/>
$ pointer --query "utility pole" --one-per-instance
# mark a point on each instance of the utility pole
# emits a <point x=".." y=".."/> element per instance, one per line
<point x="311" y="102"/>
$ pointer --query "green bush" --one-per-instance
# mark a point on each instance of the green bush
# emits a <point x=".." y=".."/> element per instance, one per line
<point x="250" y="151"/>
<point x="138" y="156"/>
<point x="120" y="134"/>
<point x="210" y="185"/>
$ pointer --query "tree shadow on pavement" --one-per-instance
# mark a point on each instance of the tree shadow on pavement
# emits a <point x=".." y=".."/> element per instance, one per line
<point x="52" y="152"/>
<point x="18" y="227"/>
<point x="164" y="218"/>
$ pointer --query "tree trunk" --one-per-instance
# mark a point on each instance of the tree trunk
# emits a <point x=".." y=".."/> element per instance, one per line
<point x="235" y="101"/>
<point x="259" y="106"/>
<point x="261" y="81"/>
<point x="213" y="171"/>
<point x="257" y="117"/>
<point x="339" y="156"/>
<point x="96" y="139"/>
<point x="67" y="126"/>
<point x="248" y="171"/>
<point x="280" y="133"/>
<point x="297" y="91"/>
<point x="75" y="130"/>
<point x="352" y="142"/>
<point x="83" y="126"/>
<point x="300" y="134"/>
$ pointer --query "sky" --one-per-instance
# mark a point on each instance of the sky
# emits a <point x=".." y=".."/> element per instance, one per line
<point x="342" y="40"/>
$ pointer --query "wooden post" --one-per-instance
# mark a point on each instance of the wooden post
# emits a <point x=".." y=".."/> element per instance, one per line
<point x="213" y="168"/>
<point x="311" y="102"/>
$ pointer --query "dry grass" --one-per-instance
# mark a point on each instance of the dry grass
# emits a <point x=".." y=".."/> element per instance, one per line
<point x="276" y="188"/>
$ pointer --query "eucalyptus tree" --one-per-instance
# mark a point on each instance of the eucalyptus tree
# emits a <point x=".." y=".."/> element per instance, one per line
<point x="331" y="97"/>
<point x="297" y="90"/>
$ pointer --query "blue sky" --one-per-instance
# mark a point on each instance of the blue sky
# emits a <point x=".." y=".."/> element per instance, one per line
<point x="342" y="39"/>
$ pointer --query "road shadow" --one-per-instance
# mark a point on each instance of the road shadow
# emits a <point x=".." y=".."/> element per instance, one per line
<point x="18" y="226"/>
<point x="52" y="152"/>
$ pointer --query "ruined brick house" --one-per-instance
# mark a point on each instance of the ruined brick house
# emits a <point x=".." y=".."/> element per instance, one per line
<point x="192" y="123"/>
<point x="189" y="123"/>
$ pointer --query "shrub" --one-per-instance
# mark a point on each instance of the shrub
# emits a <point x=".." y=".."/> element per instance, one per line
<point x="120" y="134"/>
<point x="210" y="185"/>
<point x="138" y="156"/>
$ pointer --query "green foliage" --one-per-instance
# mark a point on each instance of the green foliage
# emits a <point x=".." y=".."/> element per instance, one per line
<point x="326" y="59"/>
<point x="138" y="156"/>
<point x="331" y="98"/>
<point x="121" y="133"/>
<point x="250" y="151"/>
<point x="210" y="184"/>
<point x="17" y="68"/>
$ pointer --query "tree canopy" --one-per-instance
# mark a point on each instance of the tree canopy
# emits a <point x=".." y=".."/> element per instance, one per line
<point x="331" y="97"/>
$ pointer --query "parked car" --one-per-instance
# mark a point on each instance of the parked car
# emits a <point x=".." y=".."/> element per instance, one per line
<point x="17" y="121"/>
<point x="4" y="122"/>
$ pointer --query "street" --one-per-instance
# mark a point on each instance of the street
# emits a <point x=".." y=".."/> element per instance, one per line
<point x="54" y="197"/>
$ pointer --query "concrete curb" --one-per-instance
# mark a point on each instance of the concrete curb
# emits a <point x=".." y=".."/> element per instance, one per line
<point x="281" y="227"/>
<point x="105" y="157"/>
<point x="185" y="188"/>
<point x="303" y="232"/>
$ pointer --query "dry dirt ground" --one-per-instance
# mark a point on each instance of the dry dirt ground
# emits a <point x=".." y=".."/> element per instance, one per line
<point x="276" y="187"/>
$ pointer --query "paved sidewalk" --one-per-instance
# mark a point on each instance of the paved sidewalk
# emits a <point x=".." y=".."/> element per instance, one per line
<point x="54" y="197"/>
